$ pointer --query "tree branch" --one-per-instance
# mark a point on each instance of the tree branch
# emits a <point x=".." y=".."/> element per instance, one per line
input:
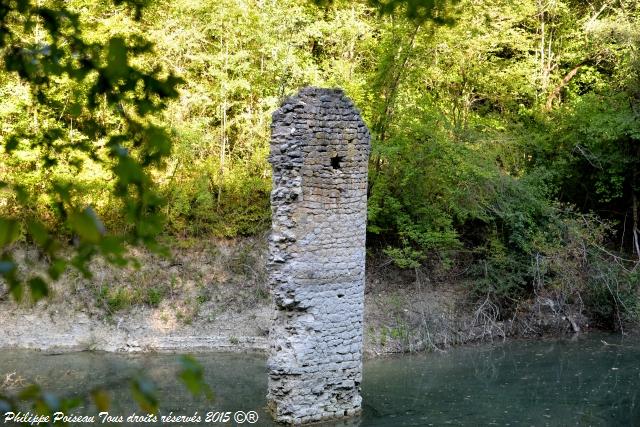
<point x="556" y="91"/>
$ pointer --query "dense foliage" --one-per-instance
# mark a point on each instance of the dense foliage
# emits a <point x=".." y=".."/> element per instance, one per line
<point x="79" y="117"/>
<point x="506" y="134"/>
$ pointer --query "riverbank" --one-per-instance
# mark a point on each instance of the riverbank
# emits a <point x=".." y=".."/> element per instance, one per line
<point x="212" y="296"/>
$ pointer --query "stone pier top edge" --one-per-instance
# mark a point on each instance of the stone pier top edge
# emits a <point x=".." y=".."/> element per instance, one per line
<point x="314" y="95"/>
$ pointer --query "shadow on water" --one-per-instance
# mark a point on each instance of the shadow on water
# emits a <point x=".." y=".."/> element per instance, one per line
<point x="593" y="380"/>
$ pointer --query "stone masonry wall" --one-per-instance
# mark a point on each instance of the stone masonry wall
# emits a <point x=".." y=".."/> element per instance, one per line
<point x="319" y="154"/>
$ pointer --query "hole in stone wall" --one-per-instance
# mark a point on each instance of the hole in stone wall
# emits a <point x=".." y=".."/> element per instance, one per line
<point x="335" y="161"/>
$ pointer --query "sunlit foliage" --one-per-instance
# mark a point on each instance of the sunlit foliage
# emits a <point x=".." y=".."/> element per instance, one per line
<point x="495" y="125"/>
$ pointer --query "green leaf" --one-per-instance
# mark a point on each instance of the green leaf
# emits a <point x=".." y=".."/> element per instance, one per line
<point x="112" y="245"/>
<point x="101" y="399"/>
<point x="63" y="189"/>
<point x="30" y="392"/>
<point x="56" y="268"/>
<point x="75" y="109"/>
<point x="21" y="193"/>
<point x="117" y="66"/>
<point x="158" y="143"/>
<point x="38" y="231"/>
<point x="145" y="394"/>
<point x="70" y="403"/>
<point x="16" y="291"/>
<point x="87" y="225"/>
<point x="9" y="231"/>
<point x="192" y="377"/>
<point x="11" y="144"/>
<point x="38" y="288"/>
<point x="128" y="172"/>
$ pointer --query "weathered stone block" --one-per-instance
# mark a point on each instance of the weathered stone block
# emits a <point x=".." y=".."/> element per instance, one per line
<point x="319" y="154"/>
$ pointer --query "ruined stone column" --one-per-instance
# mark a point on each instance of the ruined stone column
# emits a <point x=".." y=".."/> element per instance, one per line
<point x="319" y="154"/>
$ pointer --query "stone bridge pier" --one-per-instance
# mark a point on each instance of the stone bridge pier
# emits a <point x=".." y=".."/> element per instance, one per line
<point x="319" y="155"/>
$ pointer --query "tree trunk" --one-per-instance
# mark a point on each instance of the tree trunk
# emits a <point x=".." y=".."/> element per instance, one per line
<point x="634" y="201"/>
<point x="391" y="91"/>
<point x="556" y="91"/>
<point x="223" y="139"/>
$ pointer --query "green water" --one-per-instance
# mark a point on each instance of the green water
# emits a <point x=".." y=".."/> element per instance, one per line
<point x="592" y="380"/>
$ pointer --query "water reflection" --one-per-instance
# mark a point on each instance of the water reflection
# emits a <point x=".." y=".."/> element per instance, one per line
<point x="519" y="383"/>
<point x="590" y="381"/>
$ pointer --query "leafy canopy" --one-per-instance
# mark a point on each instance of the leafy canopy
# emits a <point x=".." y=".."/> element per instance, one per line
<point x="87" y="104"/>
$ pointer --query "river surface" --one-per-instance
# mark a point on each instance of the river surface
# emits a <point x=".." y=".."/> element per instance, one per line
<point x="589" y="380"/>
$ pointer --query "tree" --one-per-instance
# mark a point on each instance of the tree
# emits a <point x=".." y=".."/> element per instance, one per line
<point x="87" y="103"/>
